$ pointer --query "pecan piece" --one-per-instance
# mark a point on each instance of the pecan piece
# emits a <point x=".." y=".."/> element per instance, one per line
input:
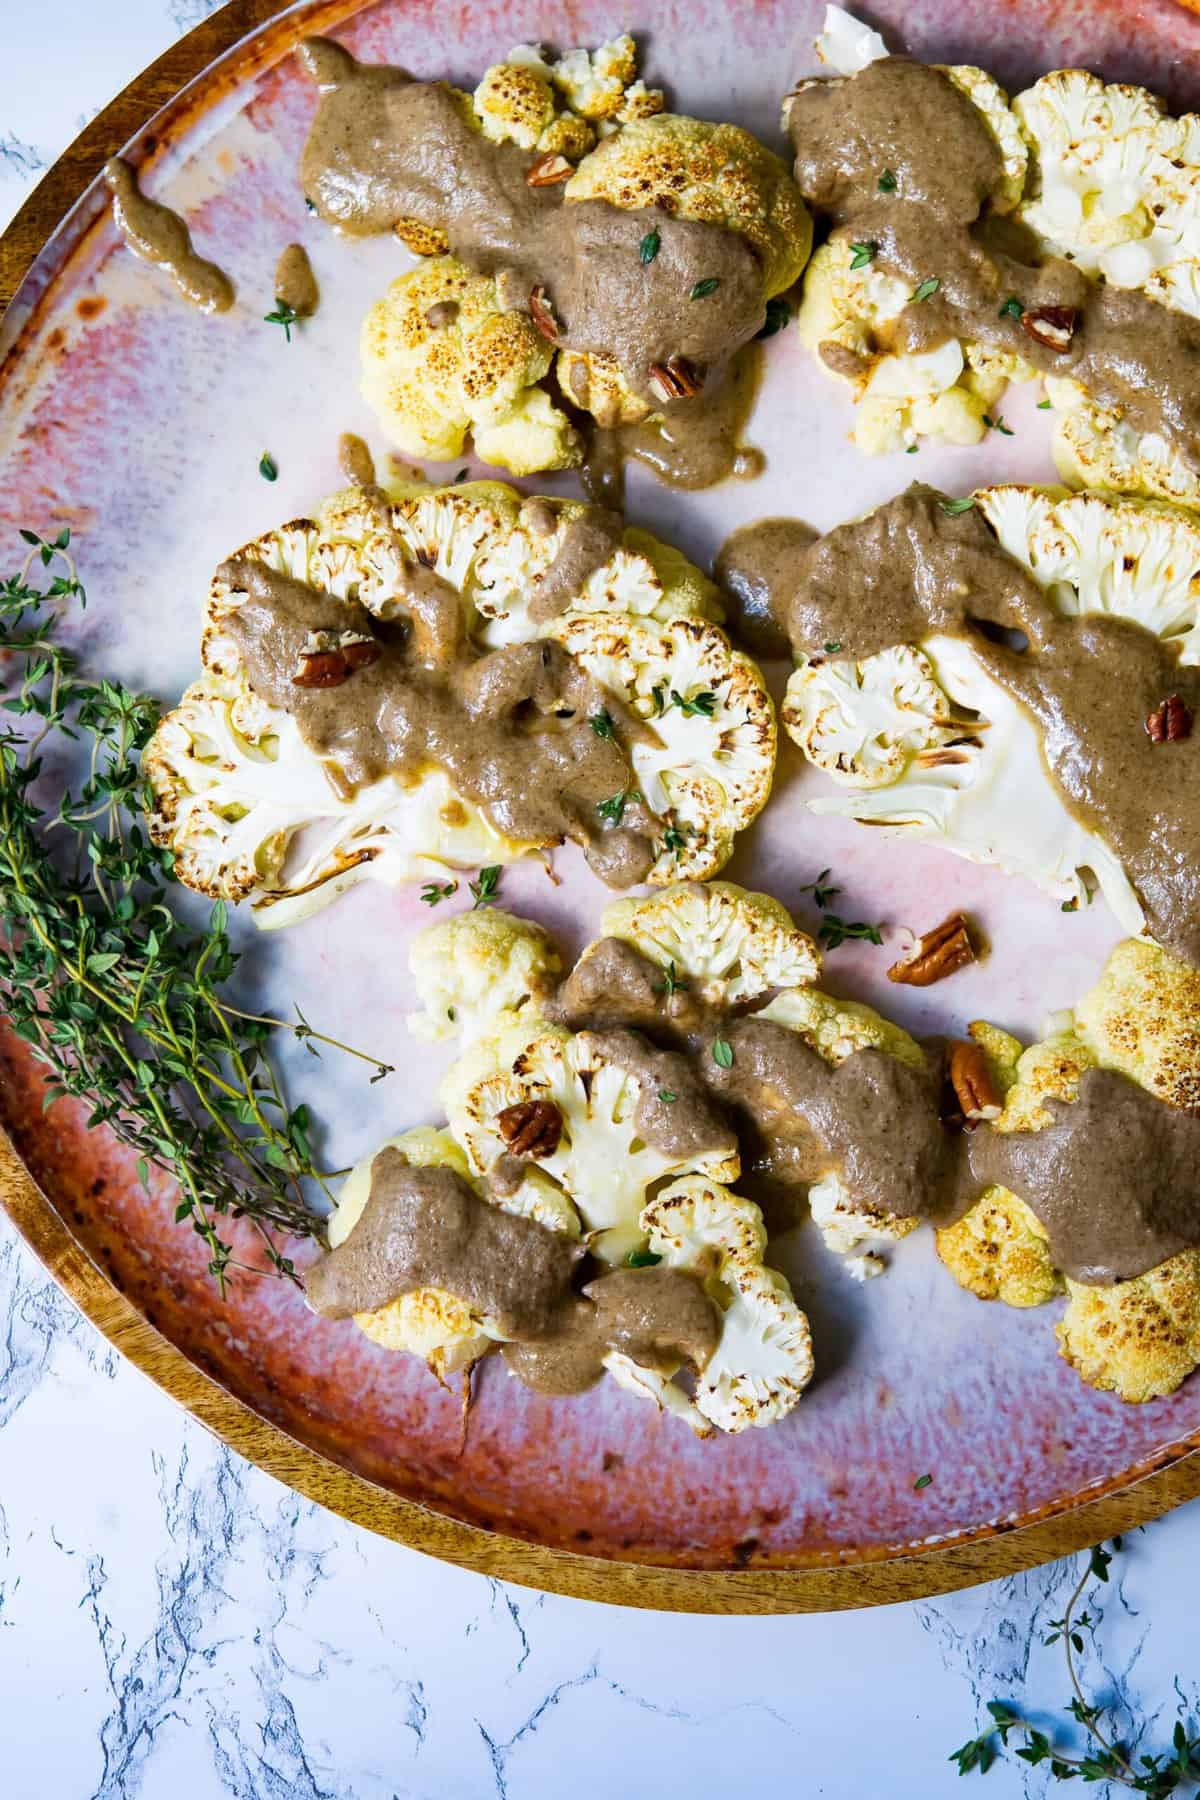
<point x="1053" y="326"/>
<point x="531" y="1128"/>
<point x="675" y="379"/>
<point x="542" y="314"/>
<point x="1170" y="722"/>
<point x="972" y="1082"/>
<point x="939" y="953"/>
<point x="330" y="657"/>
<point x="548" y="170"/>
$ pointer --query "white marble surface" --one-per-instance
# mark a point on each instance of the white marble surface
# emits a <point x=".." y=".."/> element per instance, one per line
<point x="176" y="1626"/>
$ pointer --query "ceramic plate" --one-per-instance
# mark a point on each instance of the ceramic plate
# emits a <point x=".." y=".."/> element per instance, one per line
<point x="140" y="425"/>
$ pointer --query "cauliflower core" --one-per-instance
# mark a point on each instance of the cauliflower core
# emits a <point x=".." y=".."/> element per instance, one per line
<point x="247" y="807"/>
<point x="1139" y="1339"/>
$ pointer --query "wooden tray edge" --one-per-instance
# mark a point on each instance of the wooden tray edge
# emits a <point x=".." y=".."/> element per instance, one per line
<point x="906" y="1576"/>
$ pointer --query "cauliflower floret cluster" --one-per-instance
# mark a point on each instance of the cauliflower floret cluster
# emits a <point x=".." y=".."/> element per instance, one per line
<point x="1137" y="1338"/>
<point x="846" y="310"/>
<point x="442" y="358"/>
<point x="247" y="807"/>
<point x="1100" y="174"/>
<point x="763" y="1361"/>
<point x="486" y="976"/>
<point x="706" y="763"/>
<point x="929" y="742"/>
<point x="727" y="945"/>
<point x="477" y="371"/>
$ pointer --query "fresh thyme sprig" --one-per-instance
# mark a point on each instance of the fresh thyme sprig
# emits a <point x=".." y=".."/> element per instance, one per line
<point x="121" y="1001"/>
<point x="1159" y="1775"/>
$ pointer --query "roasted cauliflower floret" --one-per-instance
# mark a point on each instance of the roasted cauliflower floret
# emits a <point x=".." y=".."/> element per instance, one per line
<point x="601" y="1162"/>
<point x="1117" y="177"/>
<point x="1143" y="1018"/>
<point x="867" y="722"/>
<point x="725" y="943"/>
<point x="983" y="791"/>
<point x="441" y="358"/>
<point x="706" y="762"/>
<point x="247" y="810"/>
<point x="836" y="1029"/>
<point x="642" y="579"/>
<point x="516" y="104"/>
<point x="429" y="1322"/>
<point x="601" y="85"/>
<point x="1102" y="553"/>
<point x="998" y="1251"/>
<point x="900" y="396"/>
<point x="714" y="174"/>
<point x="1139" y="1339"/>
<point x="764" y="1359"/>
<point x="1094" y="447"/>
<point x="475" y="972"/>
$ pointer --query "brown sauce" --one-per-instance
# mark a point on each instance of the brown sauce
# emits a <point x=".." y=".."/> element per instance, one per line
<point x="510" y="727"/>
<point x="1114" y="1179"/>
<point x="660" y="1317"/>
<point x="588" y="542"/>
<point x="910" y="569"/>
<point x="756" y="567"/>
<point x="427" y="1228"/>
<point x="161" y="237"/>
<point x="295" y="284"/>
<point x="934" y="225"/>
<point x="385" y="150"/>
<point x="690" y="443"/>
<point x="355" y="462"/>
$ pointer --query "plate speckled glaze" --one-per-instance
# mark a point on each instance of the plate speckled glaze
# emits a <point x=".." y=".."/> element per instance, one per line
<point x="140" y="424"/>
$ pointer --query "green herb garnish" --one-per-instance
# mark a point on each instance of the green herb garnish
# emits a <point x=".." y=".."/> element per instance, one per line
<point x="125" y="1005"/>
<point x="649" y="246"/>
<point x="704" y="288"/>
<point x="887" y="182"/>
<point x="601" y="723"/>
<point x="484" y="890"/>
<point x="722" y="1053"/>
<point x="863" y="254"/>
<point x="957" y="506"/>
<point x="922" y="1481"/>
<point x="613" y="809"/>
<point x="434" y="892"/>
<point x="1043" y="406"/>
<point x="671" y="983"/>
<point x="928" y="287"/>
<point x="1107" y="1759"/>
<point x="997" y="425"/>
<point x="674" y="839"/>
<point x="642" y="1259"/>
<point x="284" y="315"/>
<point x="833" y="931"/>
<point x="911" y="449"/>
<point x="833" y="646"/>
<point x="667" y="1097"/>
<point x="702" y="705"/>
<point x="1012" y="308"/>
<point x="268" y="468"/>
<point x="659" y="695"/>
<point x="821" y="894"/>
<point x="779" y="314"/>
